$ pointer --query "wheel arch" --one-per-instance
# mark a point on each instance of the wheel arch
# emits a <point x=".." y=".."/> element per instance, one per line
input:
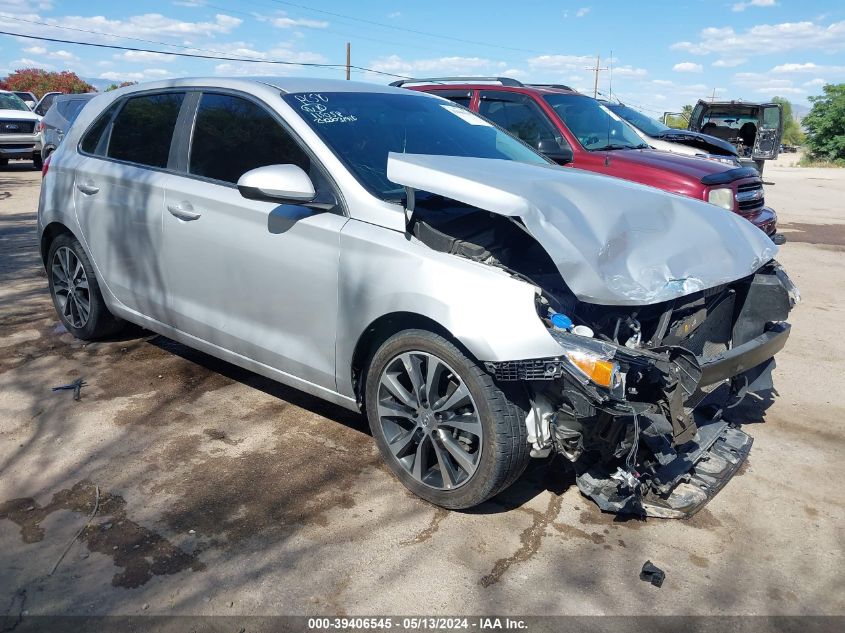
<point x="50" y="233"/>
<point x="380" y="330"/>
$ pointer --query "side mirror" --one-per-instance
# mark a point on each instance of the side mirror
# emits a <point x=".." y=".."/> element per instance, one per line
<point x="552" y="149"/>
<point x="277" y="183"/>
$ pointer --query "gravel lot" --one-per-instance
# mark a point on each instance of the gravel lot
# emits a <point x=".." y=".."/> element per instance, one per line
<point x="223" y="493"/>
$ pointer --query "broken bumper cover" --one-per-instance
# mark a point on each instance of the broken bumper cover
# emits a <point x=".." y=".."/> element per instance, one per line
<point x="746" y="356"/>
<point x="687" y="483"/>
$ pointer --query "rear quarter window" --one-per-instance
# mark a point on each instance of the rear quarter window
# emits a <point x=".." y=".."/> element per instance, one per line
<point x="143" y="129"/>
<point x="91" y="141"/>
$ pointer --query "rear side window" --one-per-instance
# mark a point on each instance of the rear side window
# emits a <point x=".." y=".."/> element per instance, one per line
<point x="91" y="141"/>
<point x="71" y="108"/>
<point x="233" y="135"/>
<point x="143" y="129"/>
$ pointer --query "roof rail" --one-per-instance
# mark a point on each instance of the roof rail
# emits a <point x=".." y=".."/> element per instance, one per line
<point x="505" y="81"/>
<point x="558" y="86"/>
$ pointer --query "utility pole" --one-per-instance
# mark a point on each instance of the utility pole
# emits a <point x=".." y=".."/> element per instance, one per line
<point x="348" y="59"/>
<point x="713" y="98"/>
<point x="597" y="70"/>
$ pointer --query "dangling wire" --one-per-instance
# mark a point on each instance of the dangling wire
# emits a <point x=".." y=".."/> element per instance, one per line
<point x="631" y="459"/>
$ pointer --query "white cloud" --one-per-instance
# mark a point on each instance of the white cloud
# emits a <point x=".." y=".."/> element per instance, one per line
<point x="809" y="67"/>
<point x="144" y="75"/>
<point x="24" y="6"/>
<point x="144" y="57"/>
<point x="147" y="26"/>
<point x="580" y="13"/>
<point x="25" y="62"/>
<point x="441" y="65"/>
<point x="741" y="6"/>
<point x="394" y="15"/>
<point x="66" y="56"/>
<point x="35" y="50"/>
<point x="629" y="71"/>
<point x="287" y="23"/>
<point x="766" y="39"/>
<point x="729" y="63"/>
<point x="761" y="83"/>
<point x="687" y="67"/>
<point x="561" y="63"/>
<point x="818" y="81"/>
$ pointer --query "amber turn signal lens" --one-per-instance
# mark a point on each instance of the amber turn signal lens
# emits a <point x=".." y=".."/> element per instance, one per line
<point x="601" y="372"/>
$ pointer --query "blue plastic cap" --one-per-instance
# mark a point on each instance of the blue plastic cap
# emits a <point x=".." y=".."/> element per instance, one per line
<point x="561" y="321"/>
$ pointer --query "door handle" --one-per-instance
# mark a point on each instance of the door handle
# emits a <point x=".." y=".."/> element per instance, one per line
<point x="87" y="188"/>
<point x="183" y="211"/>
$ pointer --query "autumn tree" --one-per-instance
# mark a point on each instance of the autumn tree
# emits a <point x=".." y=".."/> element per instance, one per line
<point x="122" y="84"/>
<point x="40" y="82"/>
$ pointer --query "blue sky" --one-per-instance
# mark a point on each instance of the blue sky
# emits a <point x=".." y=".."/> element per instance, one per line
<point x="663" y="54"/>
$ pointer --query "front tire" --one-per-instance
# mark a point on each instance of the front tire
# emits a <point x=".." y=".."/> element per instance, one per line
<point x="37" y="162"/>
<point x="445" y="429"/>
<point x="75" y="291"/>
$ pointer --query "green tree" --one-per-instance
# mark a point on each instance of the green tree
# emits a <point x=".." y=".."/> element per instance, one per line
<point x="680" y="121"/>
<point x="40" y="81"/>
<point x="826" y="124"/>
<point x="792" y="134"/>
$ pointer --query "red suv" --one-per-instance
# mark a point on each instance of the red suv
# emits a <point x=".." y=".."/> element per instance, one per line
<point x="575" y="130"/>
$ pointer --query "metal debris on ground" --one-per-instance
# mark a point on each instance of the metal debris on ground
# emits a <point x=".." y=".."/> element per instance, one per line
<point x="652" y="573"/>
<point x="75" y="386"/>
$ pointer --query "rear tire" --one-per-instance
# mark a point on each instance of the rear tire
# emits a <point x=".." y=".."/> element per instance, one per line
<point x="443" y="427"/>
<point x="76" y="293"/>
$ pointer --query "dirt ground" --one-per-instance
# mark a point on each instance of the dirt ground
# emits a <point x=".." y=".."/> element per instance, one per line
<point x="220" y="492"/>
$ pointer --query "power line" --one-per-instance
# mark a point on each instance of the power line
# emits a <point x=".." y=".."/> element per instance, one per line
<point x="402" y="28"/>
<point x="222" y="57"/>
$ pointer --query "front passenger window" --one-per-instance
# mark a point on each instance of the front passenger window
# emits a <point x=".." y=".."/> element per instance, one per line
<point x="233" y="135"/>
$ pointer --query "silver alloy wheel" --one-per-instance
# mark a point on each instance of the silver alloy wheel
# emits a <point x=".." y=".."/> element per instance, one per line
<point x="429" y="420"/>
<point x="70" y="286"/>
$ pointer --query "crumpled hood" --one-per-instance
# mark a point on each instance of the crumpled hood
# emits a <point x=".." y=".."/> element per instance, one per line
<point x="614" y="242"/>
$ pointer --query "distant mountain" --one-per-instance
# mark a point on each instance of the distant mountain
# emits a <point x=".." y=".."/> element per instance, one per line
<point x="799" y="111"/>
<point x="99" y="84"/>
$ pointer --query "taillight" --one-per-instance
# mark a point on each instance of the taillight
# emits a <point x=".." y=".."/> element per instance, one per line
<point x="41" y="126"/>
<point x="45" y="166"/>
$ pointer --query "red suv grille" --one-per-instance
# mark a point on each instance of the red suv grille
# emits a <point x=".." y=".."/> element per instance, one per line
<point x="749" y="198"/>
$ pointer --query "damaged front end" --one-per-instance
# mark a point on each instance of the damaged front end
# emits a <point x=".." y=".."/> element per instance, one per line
<point x="635" y="401"/>
<point x="665" y="311"/>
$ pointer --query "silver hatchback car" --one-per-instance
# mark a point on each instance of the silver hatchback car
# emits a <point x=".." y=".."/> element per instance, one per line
<point x="390" y="251"/>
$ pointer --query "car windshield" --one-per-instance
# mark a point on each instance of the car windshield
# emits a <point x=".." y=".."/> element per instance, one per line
<point x="595" y="127"/>
<point x="646" y="124"/>
<point x="10" y="101"/>
<point x="361" y="128"/>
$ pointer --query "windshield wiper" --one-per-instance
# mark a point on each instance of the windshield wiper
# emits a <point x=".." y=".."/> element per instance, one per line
<point x="612" y="146"/>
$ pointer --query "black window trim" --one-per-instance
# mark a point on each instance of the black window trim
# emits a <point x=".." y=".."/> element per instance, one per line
<point x="103" y="143"/>
<point x="187" y="137"/>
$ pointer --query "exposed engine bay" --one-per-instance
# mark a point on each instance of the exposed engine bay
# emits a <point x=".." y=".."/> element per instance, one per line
<point x="635" y="400"/>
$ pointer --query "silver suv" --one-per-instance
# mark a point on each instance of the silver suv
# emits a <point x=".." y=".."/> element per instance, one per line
<point x="390" y="251"/>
